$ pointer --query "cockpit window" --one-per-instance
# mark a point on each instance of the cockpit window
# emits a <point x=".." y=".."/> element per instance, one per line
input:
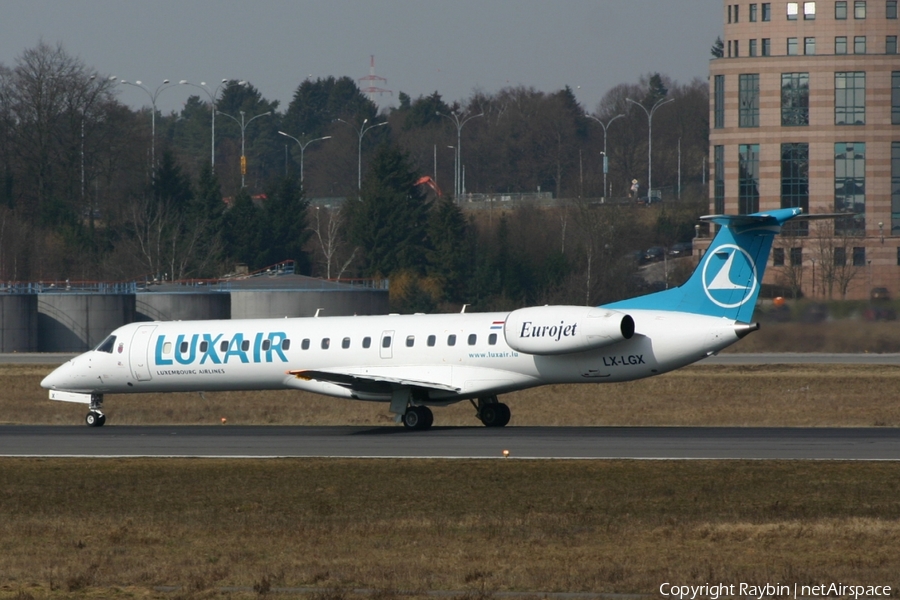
<point x="107" y="345"/>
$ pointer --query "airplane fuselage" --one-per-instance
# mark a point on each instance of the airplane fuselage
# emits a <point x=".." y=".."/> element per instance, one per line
<point x="465" y="354"/>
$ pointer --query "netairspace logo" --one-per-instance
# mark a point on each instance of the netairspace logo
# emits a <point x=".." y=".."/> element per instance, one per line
<point x="779" y="590"/>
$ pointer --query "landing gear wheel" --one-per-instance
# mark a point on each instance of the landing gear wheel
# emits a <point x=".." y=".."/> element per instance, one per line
<point x="418" y="418"/>
<point x="95" y="419"/>
<point x="495" y="414"/>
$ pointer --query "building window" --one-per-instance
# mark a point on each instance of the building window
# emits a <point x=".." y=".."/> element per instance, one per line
<point x="850" y="98"/>
<point x="795" y="183"/>
<point x="809" y="11"/>
<point x="796" y="257"/>
<point x="895" y="188"/>
<point x="766" y="47"/>
<point x="729" y="14"/>
<point x="859" y="9"/>
<point x="840" y="10"/>
<point x="891" y="9"/>
<point x="859" y="44"/>
<point x="737" y="51"/>
<point x="719" y="180"/>
<point x="719" y="102"/>
<point x="794" y="99"/>
<point x="767" y="11"/>
<point x="890" y="44"/>
<point x="840" y="256"/>
<point x="752" y="48"/>
<point x="748" y="178"/>
<point x="809" y="46"/>
<point x="859" y="257"/>
<point x="840" y="44"/>
<point x="736" y="10"/>
<point x="792" y="9"/>
<point x="792" y="46"/>
<point x="778" y="257"/>
<point x="753" y="13"/>
<point x="850" y="187"/>
<point x="748" y="96"/>
<point x="895" y="97"/>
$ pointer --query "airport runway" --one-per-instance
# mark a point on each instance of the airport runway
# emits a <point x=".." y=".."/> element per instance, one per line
<point x="453" y="442"/>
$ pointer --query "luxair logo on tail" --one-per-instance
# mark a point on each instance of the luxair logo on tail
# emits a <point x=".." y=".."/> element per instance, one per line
<point x="731" y="281"/>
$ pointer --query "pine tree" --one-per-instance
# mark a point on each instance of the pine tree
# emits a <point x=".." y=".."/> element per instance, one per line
<point x="447" y="256"/>
<point x="388" y="223"/>
<point x="283" y="228"/>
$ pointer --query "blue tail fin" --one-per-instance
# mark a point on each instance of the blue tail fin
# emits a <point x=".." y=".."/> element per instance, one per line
<point x="727" y="280"/>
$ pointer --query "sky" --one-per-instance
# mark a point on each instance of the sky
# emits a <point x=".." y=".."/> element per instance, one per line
<point x="453" y="47"/>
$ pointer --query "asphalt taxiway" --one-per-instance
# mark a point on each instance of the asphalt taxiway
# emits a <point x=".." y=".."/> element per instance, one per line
<point x="453" y="442"/>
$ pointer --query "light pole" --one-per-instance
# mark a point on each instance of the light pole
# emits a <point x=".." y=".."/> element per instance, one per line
<point x="650" y="112"/>
<point x="605" y="155"/>
<point x="212" y="105"/>
<point x="459" y="120"/>
<point x="243" y="126"/>
<point x="303" y="148"/>
<point x="361" y="132"/>
<point x="153" y="96"/>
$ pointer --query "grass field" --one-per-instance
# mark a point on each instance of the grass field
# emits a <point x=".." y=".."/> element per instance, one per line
<point x="771" y="395"/>
<point x="121" y="528"/>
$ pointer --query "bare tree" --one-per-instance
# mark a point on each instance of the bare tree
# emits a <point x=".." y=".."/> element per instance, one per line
<point x="331" y="242"/>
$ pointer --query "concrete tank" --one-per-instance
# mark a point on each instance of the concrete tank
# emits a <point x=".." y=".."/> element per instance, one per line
<point x="174" y="306"/>
<point x="260" y="304"/>
<point x="18" y="323"/>
<point x="75" y="322"/>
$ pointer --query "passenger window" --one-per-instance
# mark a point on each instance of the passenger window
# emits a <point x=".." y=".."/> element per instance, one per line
<point x="204" y="346"/>
<point x="107" y="345"/>
<point x="184" y="347"/>
<point x="451" y="339"/>
<point x="266" y="344"/>
<point x="223" y="346"/>
<point x="326" y="343"/>
<point x="410" y="341"/>
<point x="245" y="345"/>
<point x="286" y="344"/>
<point x="367" y="342"/>
<point x="386" y="342"/>
<point x="472" y="339"/>
<point x="492" y="339"/>
<point x="431" y="340"/>
<point x="304" y="344"/>
<point x="345" y="343"/>
<point x="167" y="348"/>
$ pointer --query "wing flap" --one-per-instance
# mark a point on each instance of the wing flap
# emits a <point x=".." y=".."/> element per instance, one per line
<point x="365" y="381"/>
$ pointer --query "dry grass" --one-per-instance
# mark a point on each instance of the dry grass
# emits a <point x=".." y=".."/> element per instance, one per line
<point x="121" y="527"/>
<point x="771" y="395"/>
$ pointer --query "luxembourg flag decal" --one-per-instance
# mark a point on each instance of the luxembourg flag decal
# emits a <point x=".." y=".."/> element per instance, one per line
<point x="497" y="324"/>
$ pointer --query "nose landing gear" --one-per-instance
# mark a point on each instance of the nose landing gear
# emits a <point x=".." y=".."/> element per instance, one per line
<point x="95" y="418"/>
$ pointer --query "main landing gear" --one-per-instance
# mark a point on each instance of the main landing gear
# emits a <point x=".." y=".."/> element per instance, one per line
<point x="492" y="412"/>
<point x="418" y="418"/>
<point x="95" y="418"/>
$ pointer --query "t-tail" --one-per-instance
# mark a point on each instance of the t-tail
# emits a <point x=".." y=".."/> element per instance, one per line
<point x="727" y="280"/>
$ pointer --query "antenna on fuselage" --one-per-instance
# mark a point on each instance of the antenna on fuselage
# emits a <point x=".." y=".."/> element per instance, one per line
<point x="465" y="306"/>
<point x="318" y="312"/>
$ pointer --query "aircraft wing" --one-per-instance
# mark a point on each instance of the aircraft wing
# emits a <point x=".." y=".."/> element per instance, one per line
<point x="369" y="382"/>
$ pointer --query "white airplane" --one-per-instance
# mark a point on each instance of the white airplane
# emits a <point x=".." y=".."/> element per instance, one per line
<point x="413" y="362"/>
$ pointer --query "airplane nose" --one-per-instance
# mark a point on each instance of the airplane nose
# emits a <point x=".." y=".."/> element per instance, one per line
<point x="59" y="376"/>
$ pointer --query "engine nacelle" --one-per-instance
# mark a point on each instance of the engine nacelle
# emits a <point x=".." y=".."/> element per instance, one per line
<point x="565" y="329"/>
